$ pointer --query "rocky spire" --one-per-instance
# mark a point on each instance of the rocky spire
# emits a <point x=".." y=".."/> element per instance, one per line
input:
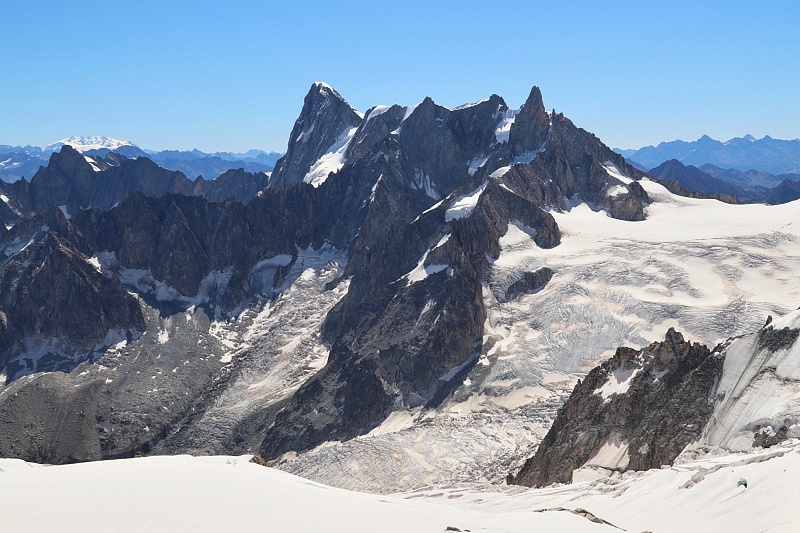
<point x="325" y="116"/>
<point x="530" y="128"/>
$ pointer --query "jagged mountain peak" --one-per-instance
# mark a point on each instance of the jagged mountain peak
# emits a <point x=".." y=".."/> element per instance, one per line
<point x="530" y="128"/>
<point x="325" y="118"/>
<point x="319" y="93"/>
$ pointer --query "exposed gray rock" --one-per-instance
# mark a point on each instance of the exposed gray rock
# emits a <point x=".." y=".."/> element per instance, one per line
<point x="529" y="283"/>
<point x="57" y="308"/>
<point x="642" y="407"/>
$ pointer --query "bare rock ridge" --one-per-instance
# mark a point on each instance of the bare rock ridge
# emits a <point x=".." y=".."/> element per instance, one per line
<point x="410" y="201"/>
<point x="636" y="411"/>
<point x="642" y="409"/>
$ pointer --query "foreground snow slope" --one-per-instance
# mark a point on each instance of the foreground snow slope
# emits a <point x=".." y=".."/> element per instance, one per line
<point x="183" y="493"/>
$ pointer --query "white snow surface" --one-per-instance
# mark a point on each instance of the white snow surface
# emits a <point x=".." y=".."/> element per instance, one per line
<point x="422" y="271"/>
<point x="475" y="164"/>
<point x="464" y="206"/>
<point x="616" y="190"/>
<point x="423" y="182"/>
<point x="225" y="493"/>
<point x="93" y="163"/>
<point x="760" y="390"/>
<point x="377" y="111"/>
<point x="618" y="382"/>
<point x="84" y="144"/>
<point x="504" y="125"/>
<point x="615" y="172"/>
<point x="332" y="161"/>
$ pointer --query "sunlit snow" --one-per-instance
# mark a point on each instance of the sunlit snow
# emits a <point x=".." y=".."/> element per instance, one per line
<point x="331" y="161"/>
<point x="744" y="492"/>
<point x="504" y="126"/>
<point x="463" y="206"/>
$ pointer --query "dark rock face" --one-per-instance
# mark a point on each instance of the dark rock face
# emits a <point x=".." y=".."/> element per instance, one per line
<point x="232" y="184"/>
<point x="531" y="127"/>
<point x="777" y="339"/>
<point x="75" y="182"/>
<point x="50" y="291"/>
<point x="13" y="206"/>
<point x="649" y="404"/>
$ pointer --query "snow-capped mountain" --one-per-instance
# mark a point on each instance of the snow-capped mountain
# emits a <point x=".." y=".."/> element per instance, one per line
<point x="409" y="301"/>
<point x="85" y="144"/>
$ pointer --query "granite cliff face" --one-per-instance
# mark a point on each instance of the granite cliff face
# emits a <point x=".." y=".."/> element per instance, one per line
<point x="324" y="122"/>
<point x="393" y="219"/>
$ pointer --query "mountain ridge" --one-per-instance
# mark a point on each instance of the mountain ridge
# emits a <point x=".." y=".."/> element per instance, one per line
<point x="17" y="162"/>
<point x="776" y="156"/>
<point x="446" y="276"/>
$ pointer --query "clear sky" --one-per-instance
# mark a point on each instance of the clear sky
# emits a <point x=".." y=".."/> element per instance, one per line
<point x="232" y="75"/>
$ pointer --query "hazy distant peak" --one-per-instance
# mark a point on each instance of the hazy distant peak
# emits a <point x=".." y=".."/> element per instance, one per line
<point x="84" y="144"/>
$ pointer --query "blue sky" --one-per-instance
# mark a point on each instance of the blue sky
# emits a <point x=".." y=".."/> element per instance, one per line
<point x="232" y="75"/>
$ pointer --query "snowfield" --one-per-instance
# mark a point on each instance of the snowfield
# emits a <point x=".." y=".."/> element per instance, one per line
<point x="740" y="492"/>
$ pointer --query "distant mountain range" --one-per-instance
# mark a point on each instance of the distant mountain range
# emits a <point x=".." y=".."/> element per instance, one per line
<point x="17" y="162"/>
<point x="729" y="185"/>
<point x="775" y="156"/>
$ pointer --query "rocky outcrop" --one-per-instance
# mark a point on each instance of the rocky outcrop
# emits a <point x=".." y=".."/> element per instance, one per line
<point x="234" y="184"/>
<point x="75" y="181"/>
<point x="529" y="283"/>
<point x="530" y="128"/>
<point x="636" y="411"/>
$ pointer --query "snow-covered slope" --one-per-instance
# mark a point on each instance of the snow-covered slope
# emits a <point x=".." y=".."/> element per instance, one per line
<point x="759" y="392"/>
<point x="748" y="492"/>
